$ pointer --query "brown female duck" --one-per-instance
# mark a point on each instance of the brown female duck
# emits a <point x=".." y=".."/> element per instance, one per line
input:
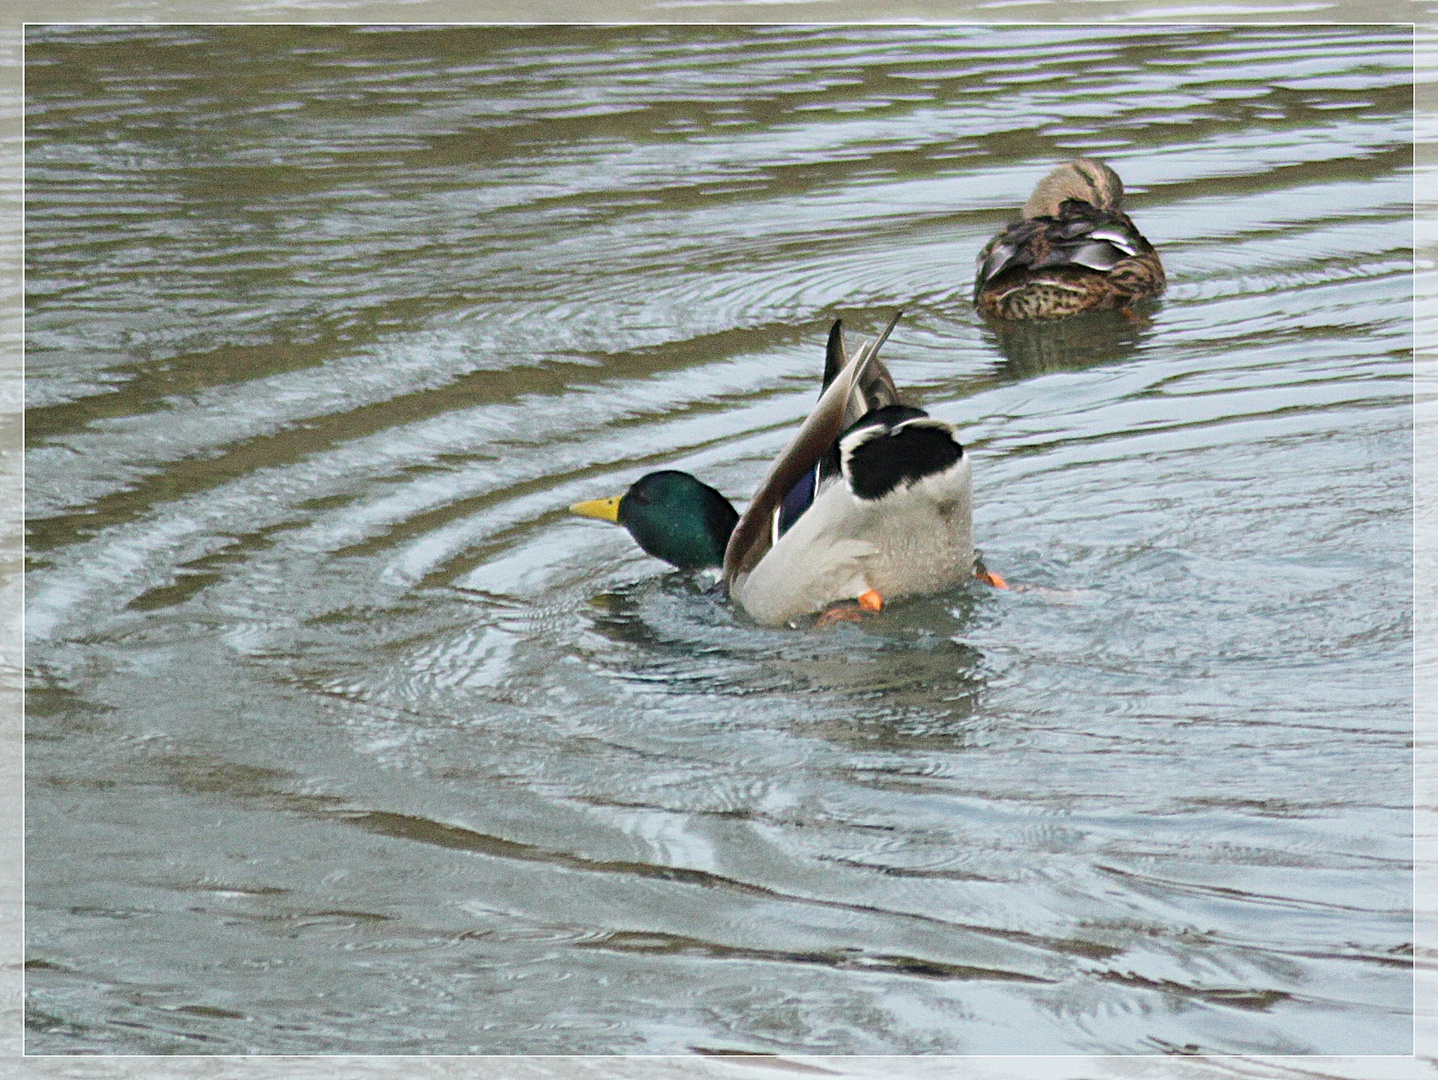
<point x="1075" y="250"/>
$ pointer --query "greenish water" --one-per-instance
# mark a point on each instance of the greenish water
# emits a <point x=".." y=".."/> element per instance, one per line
<point x="344" y="737"/>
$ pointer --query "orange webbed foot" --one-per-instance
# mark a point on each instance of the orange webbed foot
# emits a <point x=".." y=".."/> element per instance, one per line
<point x="869" y="603"/>
<point x="989" y="578"/>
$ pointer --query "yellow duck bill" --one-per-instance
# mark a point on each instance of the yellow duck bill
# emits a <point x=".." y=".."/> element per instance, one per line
<point x="602" y="509"/>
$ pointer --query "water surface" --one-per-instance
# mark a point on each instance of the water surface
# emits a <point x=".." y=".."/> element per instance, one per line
<point x="345" y="737"/>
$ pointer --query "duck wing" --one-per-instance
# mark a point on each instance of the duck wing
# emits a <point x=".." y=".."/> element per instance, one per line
<point x="876" y="388"/>
<point x="843" y="401"/>
<point x="835" y="355"/>
<point x="1081" y="236"/>
<point x="873" y="389"/>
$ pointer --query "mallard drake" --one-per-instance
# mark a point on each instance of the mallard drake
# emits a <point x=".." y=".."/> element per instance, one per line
<point x="870" y="501"/>
<point x="1075" y="250"/>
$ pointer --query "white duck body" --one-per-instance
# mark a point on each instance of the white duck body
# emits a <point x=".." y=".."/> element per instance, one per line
<point x="916" y="539"/>
<point x="895" y="517"/>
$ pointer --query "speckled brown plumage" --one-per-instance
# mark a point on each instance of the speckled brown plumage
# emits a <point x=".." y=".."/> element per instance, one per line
<point x="1075" y="250"/>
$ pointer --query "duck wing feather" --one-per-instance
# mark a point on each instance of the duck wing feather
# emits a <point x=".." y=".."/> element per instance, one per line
<point x="858" y="382"/>
<point x="1082" y="236"/>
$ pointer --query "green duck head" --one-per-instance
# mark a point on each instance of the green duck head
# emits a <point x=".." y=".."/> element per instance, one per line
<point x="672" y="516"/>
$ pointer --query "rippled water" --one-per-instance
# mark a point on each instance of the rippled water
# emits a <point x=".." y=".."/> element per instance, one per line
<point x="344" y="736"/>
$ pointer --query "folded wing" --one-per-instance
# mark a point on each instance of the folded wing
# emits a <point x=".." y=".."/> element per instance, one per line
<point x="1084" y="236"/>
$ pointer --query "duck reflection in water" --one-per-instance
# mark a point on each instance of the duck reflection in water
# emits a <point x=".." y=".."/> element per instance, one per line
<point x="1080" y="341"/>
<point x="906" y="683"/>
